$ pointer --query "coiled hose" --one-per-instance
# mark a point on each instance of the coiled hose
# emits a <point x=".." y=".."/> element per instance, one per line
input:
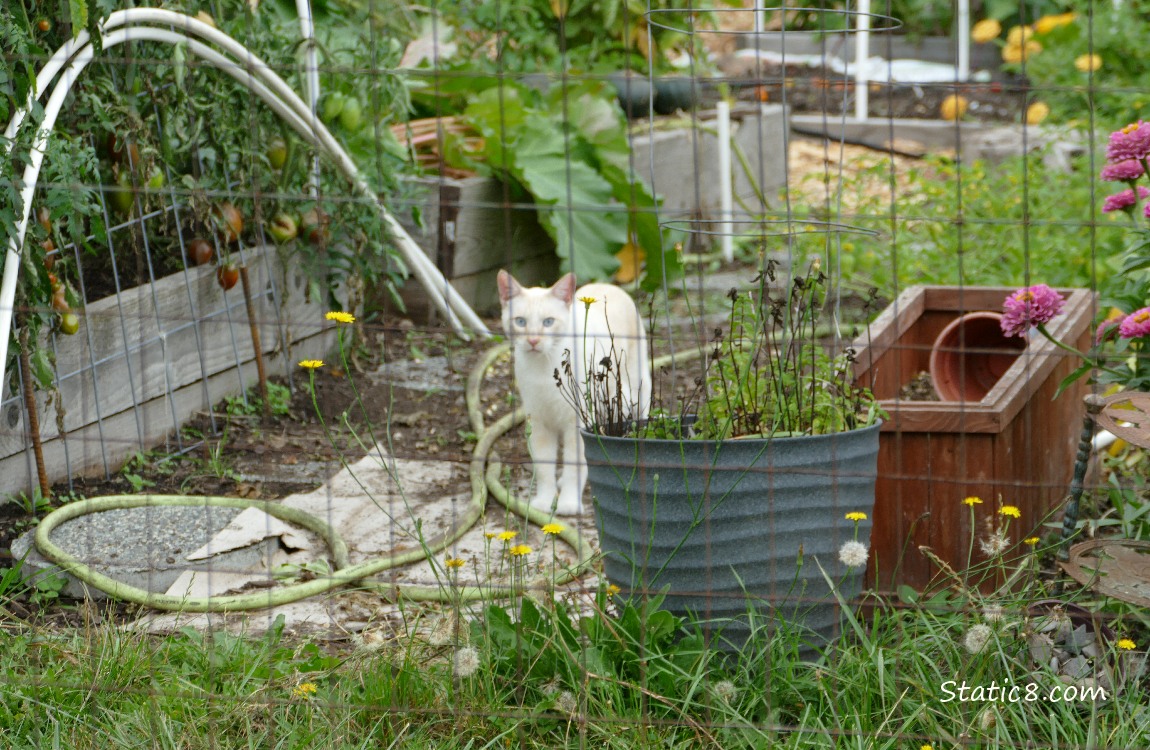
<point x="484" y="475"/>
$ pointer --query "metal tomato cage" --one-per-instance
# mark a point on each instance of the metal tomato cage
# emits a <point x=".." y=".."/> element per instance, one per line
<point x="225" y="54"/>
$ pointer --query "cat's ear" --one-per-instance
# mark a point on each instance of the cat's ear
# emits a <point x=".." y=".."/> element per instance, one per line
<point x="508" y="286"/>
<point x="564" y="288"/>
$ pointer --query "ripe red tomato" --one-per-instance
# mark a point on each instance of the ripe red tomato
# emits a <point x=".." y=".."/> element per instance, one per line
<point x="227" y="275"/>
<point x="229" y="220"/>
<point x="200" y="251"/>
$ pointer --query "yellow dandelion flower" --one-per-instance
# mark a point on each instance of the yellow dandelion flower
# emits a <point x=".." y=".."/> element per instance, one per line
<point x="1126" y="644"/>
<point x="1010" y="510"/>
<point x="1019" y="34"/>
<point x="1047" y="24"/>
<point x="953" y="107"/>
<point x="1032" y="541"/>
<point x="490" y="534"/>
<point x="1037" y="112"/>
<point x="856" y="515"/>
<point x="1016" y="53"/>
<point x="340" y="317"/>
<point x="985" y="30"/>
<point x="311" y="364"/>
<point x="612" y="589"/>
<point x="304" y="690"/>
<point x="507" y="536"/>
<point x="455" y="562"/>
<point x="1088" y="63"/>
<point x="519" y="550"/>
<point x="927" y="747"/>
<point x="587" y="301"/>
<point x="552" y="528"/>
<point x="972" y="501"/>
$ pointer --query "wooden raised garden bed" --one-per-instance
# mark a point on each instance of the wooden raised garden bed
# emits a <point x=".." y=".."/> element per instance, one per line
<point x="146" y="360"/>
<point x="1016" y="443"/>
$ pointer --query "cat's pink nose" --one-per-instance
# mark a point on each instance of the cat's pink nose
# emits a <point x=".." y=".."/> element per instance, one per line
<point x="533" y="341"/>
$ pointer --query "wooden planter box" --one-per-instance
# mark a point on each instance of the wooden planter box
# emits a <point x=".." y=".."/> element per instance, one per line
<point x="1016" y="443"/>
<point x="146" y="360"/>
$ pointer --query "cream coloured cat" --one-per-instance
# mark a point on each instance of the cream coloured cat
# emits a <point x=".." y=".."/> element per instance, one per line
<point x="543" y="323"/>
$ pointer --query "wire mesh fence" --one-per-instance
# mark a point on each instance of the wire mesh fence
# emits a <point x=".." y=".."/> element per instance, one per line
<point x="299" y="403"/>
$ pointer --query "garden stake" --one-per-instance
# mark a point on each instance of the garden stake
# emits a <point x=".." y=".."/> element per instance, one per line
<point x="1094" y="404"/>
<point x="255" y="329"/>
<point x="30" y="408"/>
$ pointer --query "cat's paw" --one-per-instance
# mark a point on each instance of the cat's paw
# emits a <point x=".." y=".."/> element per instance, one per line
<point x="569" y="504"/>
<point x="543" y="502"/>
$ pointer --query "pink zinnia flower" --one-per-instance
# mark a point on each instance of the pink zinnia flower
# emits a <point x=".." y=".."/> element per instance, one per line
<point x="1136" y="324"/>
<point x="1131" y="142"/>
<point x="1124" y="200"/>
<point x="1030" y="307"/>
<point x="1123" y="171"/>
<point x="1107" y="330"/>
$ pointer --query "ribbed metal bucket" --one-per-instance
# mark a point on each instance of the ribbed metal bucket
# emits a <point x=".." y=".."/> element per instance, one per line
<point x="721" y="525"/>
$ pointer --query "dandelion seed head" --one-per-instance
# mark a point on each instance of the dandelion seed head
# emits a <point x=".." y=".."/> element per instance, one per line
<point x="565" y="702"/>
<point x="724" y="690"/>
<point x="466" y="662"/>
<point x="853" y="554"/>
<point x="995" y="544"/>
<point x="976" y="638"/>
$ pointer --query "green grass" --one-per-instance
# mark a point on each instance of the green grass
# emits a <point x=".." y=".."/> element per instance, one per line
<point x="545" y="678"/>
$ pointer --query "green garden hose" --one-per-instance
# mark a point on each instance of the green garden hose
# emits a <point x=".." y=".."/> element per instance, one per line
<point x="484" y="476"/>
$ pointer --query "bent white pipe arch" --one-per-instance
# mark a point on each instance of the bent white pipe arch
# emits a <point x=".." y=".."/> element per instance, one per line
<point x="253" y="73"/>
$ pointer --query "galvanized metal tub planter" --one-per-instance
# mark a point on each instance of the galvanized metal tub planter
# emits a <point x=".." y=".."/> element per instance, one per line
<point x="729" y="529"/>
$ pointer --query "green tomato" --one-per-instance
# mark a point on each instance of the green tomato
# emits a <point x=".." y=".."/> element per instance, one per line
<point x="69" y="324"/>
<point x="277" y="153"/>
<point x="121" y="194"/>
<point x="332" y="106"/>
<point x="351" y="116"/>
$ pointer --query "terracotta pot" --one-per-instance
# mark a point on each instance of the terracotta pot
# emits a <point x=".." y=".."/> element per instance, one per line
<point x="970" y="355"/>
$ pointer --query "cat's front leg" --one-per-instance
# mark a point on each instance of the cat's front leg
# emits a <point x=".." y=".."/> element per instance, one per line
<point x="574" y="475"/>
<point x="544" y="446"/>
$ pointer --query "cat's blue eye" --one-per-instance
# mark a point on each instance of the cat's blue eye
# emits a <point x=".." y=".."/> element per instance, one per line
<point x="548" y="322"/>
<point x="521" y="322"/>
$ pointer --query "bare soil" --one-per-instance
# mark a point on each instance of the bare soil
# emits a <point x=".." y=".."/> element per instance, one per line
<point x="813" y="90"/>
<point x="271" y="459"/>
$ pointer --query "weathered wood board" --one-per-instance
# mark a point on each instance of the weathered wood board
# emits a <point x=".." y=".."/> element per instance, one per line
<point x="146" y="360"/>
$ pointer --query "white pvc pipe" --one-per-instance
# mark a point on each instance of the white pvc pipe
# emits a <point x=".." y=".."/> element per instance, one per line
<point x="289" y="107"/>
<point x="311" y="76"/>
<point x="726" y="199"/>
<point x="963" y="31"/>
<point x="862" y="54"/>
